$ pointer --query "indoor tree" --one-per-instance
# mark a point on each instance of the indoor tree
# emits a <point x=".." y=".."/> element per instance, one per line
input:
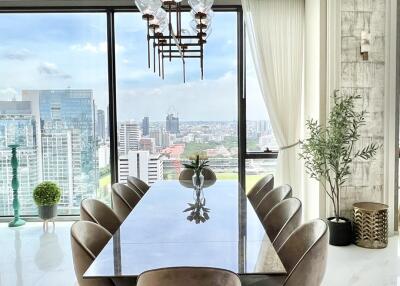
<point x="330" y="150"/>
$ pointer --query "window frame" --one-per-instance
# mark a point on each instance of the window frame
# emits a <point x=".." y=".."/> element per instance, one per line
<point x="110" y="11"/>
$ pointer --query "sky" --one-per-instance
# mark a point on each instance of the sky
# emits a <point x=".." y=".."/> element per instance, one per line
<point x="69" y="50"/>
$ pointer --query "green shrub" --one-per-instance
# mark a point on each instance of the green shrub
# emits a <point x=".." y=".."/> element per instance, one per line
<point x="47" y="194"/>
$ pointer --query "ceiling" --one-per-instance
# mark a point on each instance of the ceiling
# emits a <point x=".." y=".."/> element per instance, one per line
<point x="85" y="3"/>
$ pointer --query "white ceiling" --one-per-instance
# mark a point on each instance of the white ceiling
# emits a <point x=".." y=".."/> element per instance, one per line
<point x="83" y="3"/>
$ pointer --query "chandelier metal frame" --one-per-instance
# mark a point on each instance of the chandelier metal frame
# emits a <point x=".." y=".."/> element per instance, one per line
<point x="175" y="43"/>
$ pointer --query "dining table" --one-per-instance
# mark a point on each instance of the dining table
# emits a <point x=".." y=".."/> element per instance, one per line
<point x="176" y="224"/>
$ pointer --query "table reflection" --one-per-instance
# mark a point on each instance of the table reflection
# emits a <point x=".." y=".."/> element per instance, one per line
<point x="198" y="212"/>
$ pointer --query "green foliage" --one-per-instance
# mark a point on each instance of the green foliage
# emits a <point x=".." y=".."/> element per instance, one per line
<point x="329" y="151"/>
<point x="105" y="171"/>
<point x="197" y="164"/>
<point x="47" y="194"/>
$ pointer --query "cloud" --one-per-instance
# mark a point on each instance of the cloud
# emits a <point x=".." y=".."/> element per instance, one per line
<point x="95" y="48"/>
<point x="18" y="55"/>
<point x="51" y="70"/>
<point x="191" y="100"/>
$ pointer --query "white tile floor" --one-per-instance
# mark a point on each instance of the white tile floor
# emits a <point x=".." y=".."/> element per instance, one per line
<point x="30" y="257"/>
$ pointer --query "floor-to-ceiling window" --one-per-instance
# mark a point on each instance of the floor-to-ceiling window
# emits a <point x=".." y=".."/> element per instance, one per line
<point x="53" y="102"/>
<point x="162" y="123"/>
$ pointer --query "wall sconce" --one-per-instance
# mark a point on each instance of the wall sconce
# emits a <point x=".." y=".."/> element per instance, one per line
<point x="365" y="44"/>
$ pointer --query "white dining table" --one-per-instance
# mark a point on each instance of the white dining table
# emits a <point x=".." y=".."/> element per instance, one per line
<point x="159" y="233"/>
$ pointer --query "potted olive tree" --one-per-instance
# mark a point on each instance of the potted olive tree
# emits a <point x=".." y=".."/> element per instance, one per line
<point x="328" y="154"/>
<point x="46" y="196"/>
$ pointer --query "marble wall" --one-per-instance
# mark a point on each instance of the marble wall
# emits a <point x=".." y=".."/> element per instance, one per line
<point x="366" y="78"/>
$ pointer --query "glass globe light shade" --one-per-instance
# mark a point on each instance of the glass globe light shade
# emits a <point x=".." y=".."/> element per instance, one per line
<point x="148" y="7"/>
<point x="207" y="20"/>
<point x="161" y="15"/>
<point x="202" y="6"/>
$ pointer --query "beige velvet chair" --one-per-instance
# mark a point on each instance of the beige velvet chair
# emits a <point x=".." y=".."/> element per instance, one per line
<point x="260" y="189"/>
<point x="304" y="255"/>
<point x="137" y="184"/>
<point x="282" y="220"/>
<point x="87" y="240"/>
<point x="187" y="174"/>
<point x="188" y="276"/>
<point x="124" y="199"/>
<point x="271" y="199"/>
<point x="98" y="212"/>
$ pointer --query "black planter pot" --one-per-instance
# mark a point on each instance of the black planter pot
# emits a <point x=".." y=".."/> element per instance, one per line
<point x="340" y="233"/>
<point x="47" y="212"/>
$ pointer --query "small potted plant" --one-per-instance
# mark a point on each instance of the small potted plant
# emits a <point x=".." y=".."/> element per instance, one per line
<point x="197" y="165"/>
<point x="46" y="196"/>
<point x="328" y="154"/>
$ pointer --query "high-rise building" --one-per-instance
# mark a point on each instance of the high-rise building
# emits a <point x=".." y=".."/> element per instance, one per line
<point x="104" y="155"/>
<point x="101" y="125"/>
<point x="145" y="126"/>
<point x="128" y="137"/>
<point x="147" y="144"/>
<point x="18" y="125"/>
<point x="156" y="134"/>
<point x="156" y="170"/>
<point x="67" y="150"/>
<point x="161" y="137"/>
<point x="141" y="164"/>
<point x="166" y="139"/>
<point x="172" y="124"/>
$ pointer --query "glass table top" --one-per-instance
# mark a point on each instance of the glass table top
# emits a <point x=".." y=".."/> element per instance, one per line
<point x="173" y="225"/>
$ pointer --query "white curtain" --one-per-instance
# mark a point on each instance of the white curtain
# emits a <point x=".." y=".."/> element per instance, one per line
<point x="275" y="29"/>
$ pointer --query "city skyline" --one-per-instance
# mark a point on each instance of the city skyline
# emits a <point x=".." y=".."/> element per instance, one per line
<point x="78" y="61"/>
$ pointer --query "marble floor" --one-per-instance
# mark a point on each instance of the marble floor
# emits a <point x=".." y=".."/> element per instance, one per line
<point x="31" y="257"/>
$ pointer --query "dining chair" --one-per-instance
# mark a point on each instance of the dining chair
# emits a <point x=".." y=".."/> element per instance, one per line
<point x="282" y="220"/>
<point x="187" y="174"/>
<point x="124" y="199"/>
<point x="193" y="276"/>
<point x="98" y="212"/>
<point x="87" y="240"/>
<point x="271" y="199"/>
<point x="304" y="256"/>
<point x="260" y="189"/>
<point x="137" y="184"/>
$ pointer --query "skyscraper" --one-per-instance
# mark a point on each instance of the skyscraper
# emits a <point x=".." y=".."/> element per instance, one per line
<point x="145" y="126"/>
<point x="18" y="125"/>
<point x="68" y="143"/>
<point x="141" y="164"/>
<point x="172" y="124"/>
<point x="128" y="137"/>
<point x="101" y="125"/>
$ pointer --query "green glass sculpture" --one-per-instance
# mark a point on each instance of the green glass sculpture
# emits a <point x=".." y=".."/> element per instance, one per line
<point x="15" y="185"/>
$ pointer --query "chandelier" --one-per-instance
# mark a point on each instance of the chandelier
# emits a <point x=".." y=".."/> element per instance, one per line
<point x="166" y="35"/>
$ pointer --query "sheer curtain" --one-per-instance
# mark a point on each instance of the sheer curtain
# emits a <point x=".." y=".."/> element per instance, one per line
<point x="275" y="29"/>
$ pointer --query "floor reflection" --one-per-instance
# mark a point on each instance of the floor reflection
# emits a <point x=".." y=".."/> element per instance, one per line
<point x="50" y="248"/>
<point x="18" y="260"/>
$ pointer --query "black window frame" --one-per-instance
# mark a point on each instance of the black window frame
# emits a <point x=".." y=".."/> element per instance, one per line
<point x="110" y="11"/>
